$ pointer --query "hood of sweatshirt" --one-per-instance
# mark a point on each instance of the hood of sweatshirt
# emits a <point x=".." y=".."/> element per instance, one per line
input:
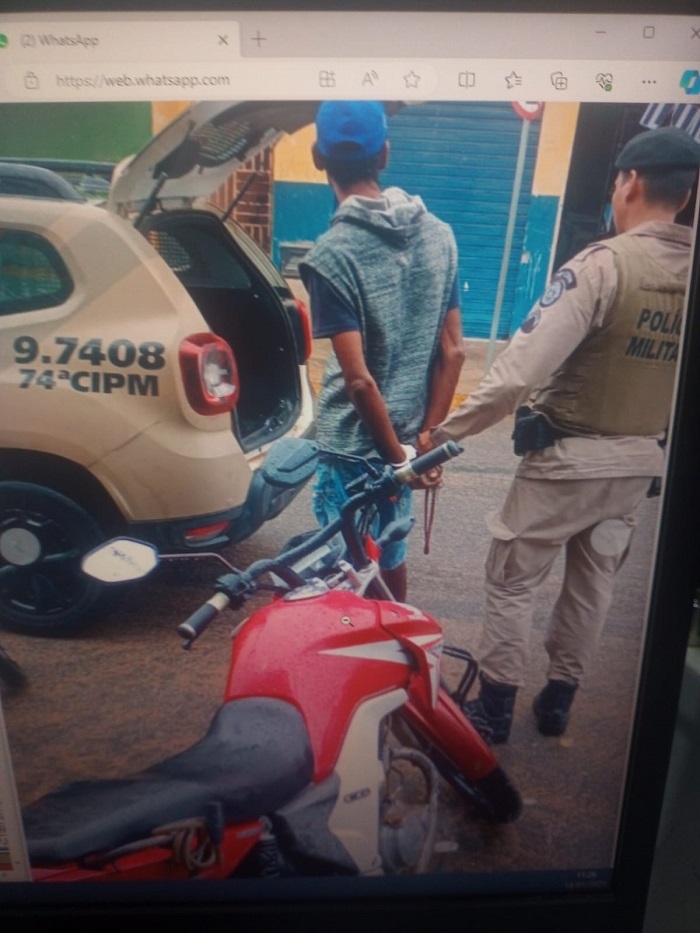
<point x="395" y="215"/>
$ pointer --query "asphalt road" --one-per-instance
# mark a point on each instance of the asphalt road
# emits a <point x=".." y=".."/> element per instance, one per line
<point x="125" y="694"/>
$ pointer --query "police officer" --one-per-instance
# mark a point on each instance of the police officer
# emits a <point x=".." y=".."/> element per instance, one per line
<point x="590" y="373"/>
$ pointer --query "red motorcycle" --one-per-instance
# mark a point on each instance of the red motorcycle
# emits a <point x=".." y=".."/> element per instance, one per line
<point x="324" y="756"/>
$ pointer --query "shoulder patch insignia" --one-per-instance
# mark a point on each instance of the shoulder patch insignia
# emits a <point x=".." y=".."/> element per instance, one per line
<point x="567" y="277"/>
<point x="555" y="290"/>
<point x="562" y="281"/>
<point x="531" y="321"/>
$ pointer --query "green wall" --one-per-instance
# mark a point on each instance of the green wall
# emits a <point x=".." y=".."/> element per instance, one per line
<point x="95" y="132"/>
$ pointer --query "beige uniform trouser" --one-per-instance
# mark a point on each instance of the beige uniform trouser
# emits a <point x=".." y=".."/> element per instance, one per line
<point x="593" y="520"/>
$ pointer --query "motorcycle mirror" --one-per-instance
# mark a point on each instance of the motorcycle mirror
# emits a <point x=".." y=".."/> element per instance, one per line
<point x="120" y="560"/>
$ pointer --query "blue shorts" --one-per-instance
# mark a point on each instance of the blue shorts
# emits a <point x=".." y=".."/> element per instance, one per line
<point x="329" y="495"/>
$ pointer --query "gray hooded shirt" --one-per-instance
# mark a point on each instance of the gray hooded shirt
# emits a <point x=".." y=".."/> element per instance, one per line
<point x="394" y="264"/>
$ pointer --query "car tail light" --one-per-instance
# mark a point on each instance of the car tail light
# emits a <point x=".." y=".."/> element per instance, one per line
<point x="300" y="320"/>
<point x="209" y="373"/>
<point x="205" y="533"/>
<point x="305" y="318"/>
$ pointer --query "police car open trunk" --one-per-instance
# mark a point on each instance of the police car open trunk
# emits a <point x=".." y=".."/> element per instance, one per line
<point x="244" y="301"/>
<point x="164" y="191"/>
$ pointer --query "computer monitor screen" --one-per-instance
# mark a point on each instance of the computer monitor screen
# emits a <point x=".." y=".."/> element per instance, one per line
<point x="249" y="259"/>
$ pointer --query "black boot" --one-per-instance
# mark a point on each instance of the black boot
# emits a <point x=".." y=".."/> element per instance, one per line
<point x="551" y="706"/>
<point x="491" y="713"/>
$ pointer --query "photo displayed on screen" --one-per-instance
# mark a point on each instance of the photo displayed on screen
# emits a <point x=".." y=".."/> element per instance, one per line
<point x="200" y="302"/>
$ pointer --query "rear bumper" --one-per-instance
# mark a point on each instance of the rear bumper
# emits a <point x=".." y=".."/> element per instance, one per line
<point x="263" y="503"/>
<point x="193" y="534"/>
<point x="218" y="529"/>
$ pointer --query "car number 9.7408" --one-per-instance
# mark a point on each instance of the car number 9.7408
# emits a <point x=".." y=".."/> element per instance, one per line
<point x="148" y="355"/>
<point x="121" y="353"/>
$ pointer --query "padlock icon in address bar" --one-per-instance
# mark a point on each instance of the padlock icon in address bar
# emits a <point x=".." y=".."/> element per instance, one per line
<point x="31" y="81"/>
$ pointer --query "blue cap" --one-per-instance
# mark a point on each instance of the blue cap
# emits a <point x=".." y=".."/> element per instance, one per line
<point x="350" y="130"/>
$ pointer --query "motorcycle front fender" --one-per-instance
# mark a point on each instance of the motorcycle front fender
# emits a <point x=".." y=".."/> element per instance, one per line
<point x="447" y="728"/>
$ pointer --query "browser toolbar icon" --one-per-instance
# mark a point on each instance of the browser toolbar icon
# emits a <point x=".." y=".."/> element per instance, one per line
<point x="513" y="80"/>
<point x="690" y="81"/>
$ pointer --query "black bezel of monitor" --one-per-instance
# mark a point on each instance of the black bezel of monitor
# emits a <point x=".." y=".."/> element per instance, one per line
<point x="403" y="903"/>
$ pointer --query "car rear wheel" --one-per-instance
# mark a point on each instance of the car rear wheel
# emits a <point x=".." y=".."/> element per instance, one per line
<point x="43" y="537"/>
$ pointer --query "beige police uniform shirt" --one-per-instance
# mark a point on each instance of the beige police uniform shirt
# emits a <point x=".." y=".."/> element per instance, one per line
<point x="575" y="303"/>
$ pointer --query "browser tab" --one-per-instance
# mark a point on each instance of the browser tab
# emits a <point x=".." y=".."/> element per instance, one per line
<point x="119" y="40"/>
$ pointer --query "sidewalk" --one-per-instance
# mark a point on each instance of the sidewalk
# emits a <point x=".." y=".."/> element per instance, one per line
<point x="473" y="369"/>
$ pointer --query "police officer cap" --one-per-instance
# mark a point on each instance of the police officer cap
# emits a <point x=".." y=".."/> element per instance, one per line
<point x="669" y="147"/>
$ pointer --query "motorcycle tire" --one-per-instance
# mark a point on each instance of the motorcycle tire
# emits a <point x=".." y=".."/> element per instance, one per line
<point x="10" y="671"/>
<point x="493" y="798"/>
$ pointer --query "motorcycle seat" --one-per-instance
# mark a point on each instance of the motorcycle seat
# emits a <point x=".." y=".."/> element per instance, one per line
<point x="255" y="756"/>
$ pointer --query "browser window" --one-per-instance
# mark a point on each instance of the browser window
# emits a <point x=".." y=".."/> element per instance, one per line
<point x="509" y="130"/>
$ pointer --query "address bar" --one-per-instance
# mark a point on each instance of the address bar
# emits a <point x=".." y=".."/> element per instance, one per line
<point x="250" y="80"/>
<point x="384" y="79"/>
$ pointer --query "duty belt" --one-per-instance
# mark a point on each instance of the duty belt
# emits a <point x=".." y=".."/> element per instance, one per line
<point x="533" y="431"/>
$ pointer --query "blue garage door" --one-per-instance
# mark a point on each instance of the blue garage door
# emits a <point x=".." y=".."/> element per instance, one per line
<point x="461" y="158"/>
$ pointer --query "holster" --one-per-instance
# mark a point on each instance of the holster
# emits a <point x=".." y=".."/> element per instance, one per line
<point x="533" y="431"/>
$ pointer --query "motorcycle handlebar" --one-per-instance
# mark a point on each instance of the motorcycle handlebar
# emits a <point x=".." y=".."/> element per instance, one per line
<point x="428" y="461"/>
<point x="193" y="627"/>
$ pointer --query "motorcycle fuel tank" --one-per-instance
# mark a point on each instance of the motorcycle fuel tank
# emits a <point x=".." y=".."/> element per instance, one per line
<point x="326" y="655"/>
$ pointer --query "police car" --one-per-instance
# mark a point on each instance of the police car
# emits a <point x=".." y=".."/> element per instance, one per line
<point x="35" y="182"/>
<point x="150" y="356"/>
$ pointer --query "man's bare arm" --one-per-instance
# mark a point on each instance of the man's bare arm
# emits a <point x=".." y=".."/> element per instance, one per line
<point x="365" y="396"/>
<point x="445" y="373"/>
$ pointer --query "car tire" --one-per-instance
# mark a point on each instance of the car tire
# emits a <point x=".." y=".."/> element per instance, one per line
<point x="43" y="537"/>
